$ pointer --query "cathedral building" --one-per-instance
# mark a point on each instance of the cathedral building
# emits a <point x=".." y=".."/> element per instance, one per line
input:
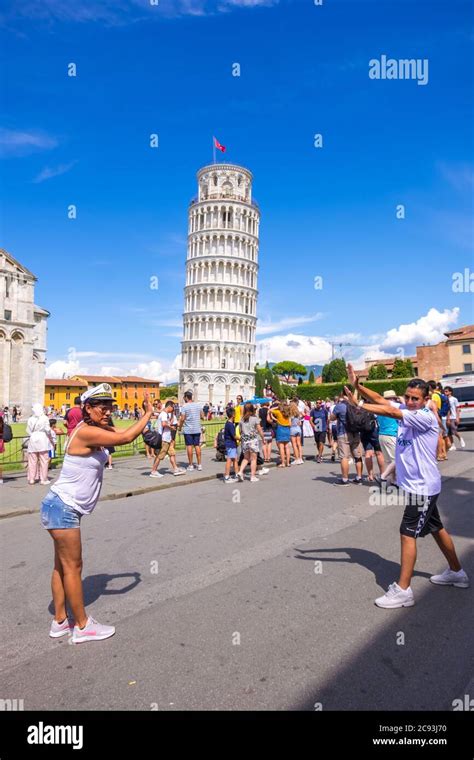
<point x="23" y="335"/>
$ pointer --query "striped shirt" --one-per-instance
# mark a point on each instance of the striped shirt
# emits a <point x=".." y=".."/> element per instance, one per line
<point x="192" y="418"/>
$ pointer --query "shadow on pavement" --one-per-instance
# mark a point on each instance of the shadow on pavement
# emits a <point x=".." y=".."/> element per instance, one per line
<point x="384" y="570"/>
<point x="95" y="586"/>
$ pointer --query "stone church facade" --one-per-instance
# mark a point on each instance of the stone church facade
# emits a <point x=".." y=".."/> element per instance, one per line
<point x="23" y="337"/>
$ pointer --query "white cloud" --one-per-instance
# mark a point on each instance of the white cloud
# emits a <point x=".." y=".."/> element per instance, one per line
<point x="21" y="143"/>
<point x="54" y="171"/>
<point x="427" y="329"/>
<point x="143" y="365"/>
<point x="59" y="369"/>
<point x="111" y="13"/>
<point x="299" y="348"/>
<point x="165" y="371"/>
<point x="267" y="328"/>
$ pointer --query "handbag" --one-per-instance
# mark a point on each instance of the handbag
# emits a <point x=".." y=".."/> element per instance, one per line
<point x="153" y="439"/>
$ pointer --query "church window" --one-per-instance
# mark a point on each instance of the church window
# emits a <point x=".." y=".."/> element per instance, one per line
<point x="8" y="315"/>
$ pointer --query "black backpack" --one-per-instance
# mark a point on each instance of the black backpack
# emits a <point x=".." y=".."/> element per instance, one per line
<point x="7" y="434"/>
<point x="358" y="420"/>
<point x="220" y="441"/>
<point x="153" y="439"/>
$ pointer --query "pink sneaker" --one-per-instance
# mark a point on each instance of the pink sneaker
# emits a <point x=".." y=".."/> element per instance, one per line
<point x="60" y="629"/>
<point x="93" y="631"/>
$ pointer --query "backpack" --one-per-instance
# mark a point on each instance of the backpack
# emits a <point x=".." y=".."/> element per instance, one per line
<point x="358" y="420"/>
<point x="220" y="441"/>
<point x="444" y="405"/>
<point x="7" y="434"/>
<point x="152" y="438"/>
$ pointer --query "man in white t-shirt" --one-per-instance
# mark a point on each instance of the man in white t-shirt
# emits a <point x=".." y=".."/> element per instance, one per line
<point x="166" y="425"/>
<point x="419" y="479"/>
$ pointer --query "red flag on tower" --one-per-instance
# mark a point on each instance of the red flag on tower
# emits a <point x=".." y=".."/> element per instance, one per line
<point x="218" y="145"/>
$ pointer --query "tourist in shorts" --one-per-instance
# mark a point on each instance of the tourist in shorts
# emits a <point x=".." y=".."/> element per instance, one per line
<point x="74" y="495"/>
<point x="280" y="414"/>
<point x="419" y="479"/>
<point x="348" y="445"/>
<point x="267" y="428"/>
<point x="453" y="419"/>
<point x="319" y="419"/>
<point x="190" y="423"/>
<point x="295" y="432"/>
<point x="230" y="441"/>
<point x="167" y="424"/>
<point x="251" y="434"/>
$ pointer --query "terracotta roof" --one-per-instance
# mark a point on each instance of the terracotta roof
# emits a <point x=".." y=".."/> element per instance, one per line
<point x="133" y="379"/>
<point x="98" y="378"/>
<point x="388" y="362"/>
<point x="66" y="383"/>
<point x="461" y="334"/>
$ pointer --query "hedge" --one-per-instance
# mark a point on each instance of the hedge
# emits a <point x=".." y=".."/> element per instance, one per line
<point x="329" y="390"/>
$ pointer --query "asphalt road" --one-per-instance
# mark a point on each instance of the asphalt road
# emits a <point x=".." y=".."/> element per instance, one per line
<point x="253" y="597"/>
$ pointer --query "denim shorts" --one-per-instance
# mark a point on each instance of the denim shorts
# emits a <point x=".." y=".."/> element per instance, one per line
<point x="55" y="514"/>
<point x="231" y="453"/>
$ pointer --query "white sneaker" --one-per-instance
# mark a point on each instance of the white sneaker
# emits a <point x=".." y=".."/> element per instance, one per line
<point x="295" y="461"/>
<point x="300" y="461"/>
<point x="254" y="479"/>
<point x="45" y="482"/>
<point x="178" y="472"/>
<point x="199" y="467"/>
<point x="451" y="578"/>
<point x="264" y="471"/>
<point x="60" y="629"/>
<point x="190" y="468"/>
<point x="156" y="475"/>
<point x="452" y="448"/>
<point x="93" y="631"/>
<point x="396" y="597"/>
<point x="463" y="443"/>
<point x="239" y="477"/>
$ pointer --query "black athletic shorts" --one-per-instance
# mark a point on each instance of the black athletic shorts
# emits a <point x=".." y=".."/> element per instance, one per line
<point x="421" y="516"/>
<point x="370" y="441"/>
<point x="320" y="437"/>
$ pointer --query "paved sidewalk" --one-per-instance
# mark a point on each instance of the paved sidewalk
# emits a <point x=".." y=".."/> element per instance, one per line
<point x="130" y="477"/>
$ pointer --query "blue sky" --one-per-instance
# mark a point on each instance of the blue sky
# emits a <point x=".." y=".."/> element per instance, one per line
<point x="329" y="212"/>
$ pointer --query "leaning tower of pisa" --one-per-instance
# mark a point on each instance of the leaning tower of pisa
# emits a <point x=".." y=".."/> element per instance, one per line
<point x="220" y="296"/>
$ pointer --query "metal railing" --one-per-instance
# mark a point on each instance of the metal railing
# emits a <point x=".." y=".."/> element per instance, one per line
<point x="16" y="453"/>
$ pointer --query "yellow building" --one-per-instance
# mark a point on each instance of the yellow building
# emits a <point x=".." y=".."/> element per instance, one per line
<point x="127" y="391"/>
<point x="59" y="393"/>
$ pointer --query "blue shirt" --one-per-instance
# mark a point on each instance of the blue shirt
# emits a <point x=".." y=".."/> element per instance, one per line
<point x="340" y="411"/>
<point x="320" y="420"/>
<point x="387" y="425"/>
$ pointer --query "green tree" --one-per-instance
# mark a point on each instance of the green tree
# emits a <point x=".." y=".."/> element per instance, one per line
<point x="377" y="372"/>
<point x="399" y="368"/>
<point x="259" y="381"/>
<point x="300" y="381"/>
<point x="335" y="371"/>
<point x="311" y="378"/>
<point x="409" y="368"/>
<point x="289" y="369"/>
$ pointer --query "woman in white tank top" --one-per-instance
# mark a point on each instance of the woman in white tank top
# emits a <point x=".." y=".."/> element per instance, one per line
<point x="75" y="494"/>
